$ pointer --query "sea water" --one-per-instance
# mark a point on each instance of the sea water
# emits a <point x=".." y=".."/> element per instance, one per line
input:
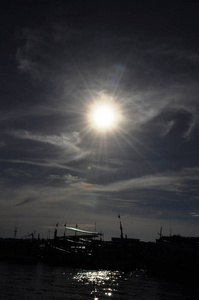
<point x="41" y="281"/>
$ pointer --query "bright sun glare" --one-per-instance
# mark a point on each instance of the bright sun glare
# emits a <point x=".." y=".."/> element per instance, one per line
<point x="104" y="116"/>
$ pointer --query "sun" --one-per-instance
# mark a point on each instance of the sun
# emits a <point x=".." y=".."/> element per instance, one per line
<point x="104" y="116"/>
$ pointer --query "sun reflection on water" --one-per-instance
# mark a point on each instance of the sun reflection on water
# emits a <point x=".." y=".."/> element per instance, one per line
<point x="102" y="282"/>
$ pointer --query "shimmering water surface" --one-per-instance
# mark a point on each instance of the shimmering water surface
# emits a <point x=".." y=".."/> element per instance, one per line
<point x="45" y="282"/>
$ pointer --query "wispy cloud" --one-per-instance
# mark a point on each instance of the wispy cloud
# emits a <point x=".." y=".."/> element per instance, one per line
<point x="66" y="180"/>
<point x="103" y="168"/>
<point x="70" y="140"/>
<point x="46" y="163"/>
<point x="69" y="143"/>
<point x="27" y="201"/>
<point x="177" y="182"/>
<point x="194" y="214"/>
<point x="191" y="126"/>
<point x="167" y="127"/>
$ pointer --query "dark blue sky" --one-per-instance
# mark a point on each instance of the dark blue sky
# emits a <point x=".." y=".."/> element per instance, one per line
<point x="57" y="57"/>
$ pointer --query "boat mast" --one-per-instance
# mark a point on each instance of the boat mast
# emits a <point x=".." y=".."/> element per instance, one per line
<point x="64" y="230"/>
<point x="160" y="233"/>
<point x="15" y="232"/>
<point x="55" y="232"/>
<point x="121" y="228"/>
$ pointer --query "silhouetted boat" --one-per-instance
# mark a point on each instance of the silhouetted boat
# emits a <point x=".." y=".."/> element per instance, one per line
<point x="19" y="250"/>
<point x="173" y="256"/>
<point x="86" y="249"/>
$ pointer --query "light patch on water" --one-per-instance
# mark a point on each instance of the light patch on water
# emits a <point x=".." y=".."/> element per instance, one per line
<point x="104" y="283"/>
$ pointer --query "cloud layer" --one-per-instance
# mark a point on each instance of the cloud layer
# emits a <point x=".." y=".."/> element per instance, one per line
<point x="54" y="167"/>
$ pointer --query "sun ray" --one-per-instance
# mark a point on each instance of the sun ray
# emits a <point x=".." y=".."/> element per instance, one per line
<point x="130" y="143"/>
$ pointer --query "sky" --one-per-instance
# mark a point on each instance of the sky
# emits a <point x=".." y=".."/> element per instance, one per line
<point x="61" y="58"/>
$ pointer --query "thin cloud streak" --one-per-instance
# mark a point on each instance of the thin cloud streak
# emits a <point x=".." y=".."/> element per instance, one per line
<point x="48" y="164"/>
<point x="169" y="181"/>
<point x="70" y="140"/>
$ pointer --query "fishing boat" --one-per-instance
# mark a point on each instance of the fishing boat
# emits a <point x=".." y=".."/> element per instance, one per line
<point x="19" y="250"/>
<point x="173" y="256"/>
<point x="87" y="249"/>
